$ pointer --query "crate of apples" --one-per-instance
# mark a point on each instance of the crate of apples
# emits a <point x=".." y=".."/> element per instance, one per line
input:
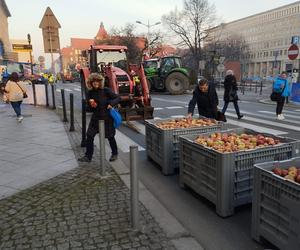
<point x="186" y="123"/>
<point x="232" y="142"/>
<point x="291" y="173"/>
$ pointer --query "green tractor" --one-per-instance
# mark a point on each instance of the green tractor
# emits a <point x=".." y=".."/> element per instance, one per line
<point x="166" y="74"/>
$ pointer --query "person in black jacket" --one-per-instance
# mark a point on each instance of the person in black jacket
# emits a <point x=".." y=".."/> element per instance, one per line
<point x="206" y="97"/>
<point x="230" y="93"/>
<point x="100" y="99"/>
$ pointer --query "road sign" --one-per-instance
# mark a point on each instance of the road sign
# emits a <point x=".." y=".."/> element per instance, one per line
<point x="201" y="64"/>
<point x="22" y="47"/>
<point x="221" y="68"/>
<point x="222" y="59"/>
<point x="295" y="40"/>
<point x="50" y="26"/>
<point x="293" y="52"/>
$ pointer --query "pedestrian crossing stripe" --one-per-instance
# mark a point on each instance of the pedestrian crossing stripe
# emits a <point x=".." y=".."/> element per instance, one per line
<point x="284" y="113"/>
<point x="267" y="122"/>
<point x="77" y="89"/>
<point x="174" y="107"/>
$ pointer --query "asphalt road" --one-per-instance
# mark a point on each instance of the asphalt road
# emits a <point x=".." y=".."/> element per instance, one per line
<point x="194" y="212"/>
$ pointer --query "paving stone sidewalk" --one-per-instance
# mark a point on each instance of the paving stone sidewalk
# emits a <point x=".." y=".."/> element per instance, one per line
<point x="77" y="210"/>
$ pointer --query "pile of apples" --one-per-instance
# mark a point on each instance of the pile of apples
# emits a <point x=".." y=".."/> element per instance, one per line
<point x="232" y="142"/>
<point x="185" y="123"/>
<point x="292" y="173"/>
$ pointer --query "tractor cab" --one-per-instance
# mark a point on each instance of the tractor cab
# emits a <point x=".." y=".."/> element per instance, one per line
<point x="127" y="80"/>
<point x="166" y="73"/>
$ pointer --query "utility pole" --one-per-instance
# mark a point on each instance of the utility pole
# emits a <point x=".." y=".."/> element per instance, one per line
<point x="30" y="54"/>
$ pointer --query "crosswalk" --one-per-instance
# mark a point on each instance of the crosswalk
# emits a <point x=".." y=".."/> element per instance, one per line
<point x="252" y="120"/>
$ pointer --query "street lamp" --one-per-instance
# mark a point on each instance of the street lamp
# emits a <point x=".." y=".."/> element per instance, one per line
<point x="148" y="33"/>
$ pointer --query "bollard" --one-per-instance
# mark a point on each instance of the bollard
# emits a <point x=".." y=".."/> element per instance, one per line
<point x="102" y="147"/>
<point x="83" y="121"/>
<point x="256" y="87"/>
<point x="134" y="188"/>
<point x="261" y="84"/>
<point x="53" y="96"/>
<point x="72" y="112"/>
<point x="46" y="93"/>
<point x="34" y="93"/>
<point x="65" y="119"/>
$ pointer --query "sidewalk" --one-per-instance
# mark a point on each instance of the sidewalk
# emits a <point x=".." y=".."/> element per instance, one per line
<point x="48" y="201"/>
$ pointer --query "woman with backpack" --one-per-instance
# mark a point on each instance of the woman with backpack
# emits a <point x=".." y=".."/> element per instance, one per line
<point x="281" y="90"/>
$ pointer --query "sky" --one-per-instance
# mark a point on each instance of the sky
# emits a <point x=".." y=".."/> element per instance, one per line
<point x="81" y="18"/>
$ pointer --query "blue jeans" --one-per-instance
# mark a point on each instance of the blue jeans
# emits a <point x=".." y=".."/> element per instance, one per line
<point x="236" y="106"/>
<point x="17" y="107"/>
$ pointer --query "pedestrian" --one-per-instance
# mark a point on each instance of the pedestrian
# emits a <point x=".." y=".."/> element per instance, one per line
<point x="230" y="93"/>
<point x="206" y="97"/>
<point x="100" y="99"/>
<point x="281" y="86"/>
<point x="15" y="91"/>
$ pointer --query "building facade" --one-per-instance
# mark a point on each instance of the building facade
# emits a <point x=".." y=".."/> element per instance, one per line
<point x="5" y="46"/>
<point x="267" y="36"/>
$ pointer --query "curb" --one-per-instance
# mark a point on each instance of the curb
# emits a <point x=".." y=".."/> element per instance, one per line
<point x="175" y="231"/>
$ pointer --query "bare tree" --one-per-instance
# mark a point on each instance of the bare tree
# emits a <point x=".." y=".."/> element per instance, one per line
<point x="191" y="25"/>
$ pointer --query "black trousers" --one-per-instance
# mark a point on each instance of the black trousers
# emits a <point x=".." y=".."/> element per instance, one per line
<point x="280" y="104"/>
<point x="93" y="129"/>
<point x="236" y="106"/>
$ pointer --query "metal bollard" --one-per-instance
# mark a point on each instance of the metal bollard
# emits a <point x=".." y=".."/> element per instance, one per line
<point x="83" y="121"/>
<point x="53" y="96"/>
<point x="134" y="188"/>
<point x="46" y="93"/>
<point x="256" y="87"/>
<point x="102" y="147"/>
<point x="72" y="112"/>
<point x="261" y="85"/>
<point x="34" y="93"/>
<point x="65" y="119"/>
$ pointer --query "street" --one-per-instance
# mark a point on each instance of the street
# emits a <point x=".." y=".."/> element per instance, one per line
<point x="194" y="212"/>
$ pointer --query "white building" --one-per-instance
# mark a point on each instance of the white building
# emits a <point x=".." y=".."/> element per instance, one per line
<point x="268" y="36"/>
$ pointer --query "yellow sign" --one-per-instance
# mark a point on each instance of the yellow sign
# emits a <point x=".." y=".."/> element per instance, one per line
<point x="22" y="47"/>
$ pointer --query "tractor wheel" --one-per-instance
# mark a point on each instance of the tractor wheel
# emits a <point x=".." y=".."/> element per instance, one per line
<point x="176" y="83"/>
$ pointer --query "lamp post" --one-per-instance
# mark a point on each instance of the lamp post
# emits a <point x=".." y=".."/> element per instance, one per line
<point x="30" y="54"/>
<point x="148" y="33"/>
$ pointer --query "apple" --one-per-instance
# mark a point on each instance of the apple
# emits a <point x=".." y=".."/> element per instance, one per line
<point x="284" y="172"/>
<point x="277" y="171"/>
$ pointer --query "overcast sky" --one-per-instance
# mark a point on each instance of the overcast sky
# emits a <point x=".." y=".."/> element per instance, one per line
<point x="81" y="18"/>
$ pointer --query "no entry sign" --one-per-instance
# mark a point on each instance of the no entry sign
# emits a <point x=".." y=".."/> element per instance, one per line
<point x="293" y="52"/>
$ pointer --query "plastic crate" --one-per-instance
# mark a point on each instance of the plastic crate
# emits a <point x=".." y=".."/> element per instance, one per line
<point x="226" y="179"/>
<point x="163" y="145"/>
<point x="276" y="206"/>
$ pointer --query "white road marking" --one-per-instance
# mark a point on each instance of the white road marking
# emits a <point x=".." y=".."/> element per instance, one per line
<point x="177" y="116"/>
<point x="77" y="89"/>
<point x="157" y="118"/>
<point x="284" y="113"/>
<point x="124" y="142"/>
<point x="68" y="90"/>
<point x="297" y="110"/>
<point x="166" y="100"/>
<point x="267" y="122"/>
<point x="256" y="128"/>
<point x="264" y="116"/>
<point x="58" y="90"/>
<point x="158" y="108"/>
<point x="174" y="107"/>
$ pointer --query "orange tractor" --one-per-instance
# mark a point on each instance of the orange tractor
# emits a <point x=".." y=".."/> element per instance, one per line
<point x="128" y="81"/>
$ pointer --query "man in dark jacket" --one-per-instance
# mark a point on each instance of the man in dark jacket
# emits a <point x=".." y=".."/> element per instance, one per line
<point x="206" y="97"/>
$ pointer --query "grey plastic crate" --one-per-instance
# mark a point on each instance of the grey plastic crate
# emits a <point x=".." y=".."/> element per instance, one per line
<point x="226" y="179"/>
<point x="276" y="206"/>
<point x="163" y="145"/>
